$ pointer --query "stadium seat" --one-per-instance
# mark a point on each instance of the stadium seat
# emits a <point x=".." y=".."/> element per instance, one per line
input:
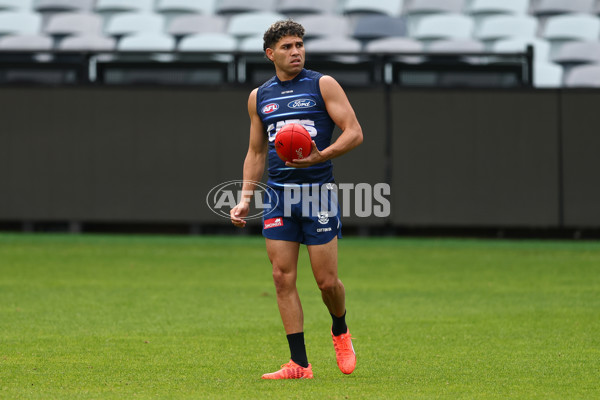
<point x="561" y="29"/>
<point x="132" y="22"/>
<point x="574" y="53"/>
<point x="206" y="7"/>
<point x="73" y="23"/>
<point x="391" y="45"/>
<point x="541" y="48"/>
<point x="26" y="42"/>
<point x="547" y="75"/>
<point x="573" y="27"/>
<point x="64" y="5"/>
<point x="583" y="76"/>
<point x="208" y="42"/>
<point x="480" y="10"/>
<point x="20" y="23"/>
<point x="377" y="26"/>
<point x="297" y="8"/>
<point x="494" y="7"/>
<point x="230" y="7"/>
<point x="506" y="26"/>
<point x="443" y="26"/>
<point x="147" y="41"/>
<point x="434" y="6"/>
<point x="252" y="23"/>
<point x="252" y="44"/>
<point x="321" y="25"/>
<point x="88" y="42"/>
<point x="456" y="46"/>
<point x="362" y="7"/>
<point x="196" y="23"/>
<point x="416" y="10"/>
<point x="124" y="5"/>
<point x="16" y="5"/>
<point x="545" y="8"/>
<point x="333" y="44"/>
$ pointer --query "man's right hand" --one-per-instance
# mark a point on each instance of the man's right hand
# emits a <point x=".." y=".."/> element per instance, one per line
<point x="238" y="213"/>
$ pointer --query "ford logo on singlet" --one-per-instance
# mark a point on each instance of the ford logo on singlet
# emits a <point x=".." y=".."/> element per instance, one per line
<point x="302" y="103"/>
<point x="269" y="108"/>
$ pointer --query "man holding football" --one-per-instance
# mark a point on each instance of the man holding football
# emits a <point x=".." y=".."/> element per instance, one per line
<point x="317" y="102"/>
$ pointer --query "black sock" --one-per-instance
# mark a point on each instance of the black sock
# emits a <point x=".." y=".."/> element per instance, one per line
<point x="339" y="325"/>
<point x="298" y="349"/>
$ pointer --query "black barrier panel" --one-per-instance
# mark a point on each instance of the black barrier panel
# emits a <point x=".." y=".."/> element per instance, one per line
<point x="365" y="164"/>
<point x="581" y="143"/>
<point x="477" y="158"/>
<point x="118" y="154"/>
<point x="458" y="158"/>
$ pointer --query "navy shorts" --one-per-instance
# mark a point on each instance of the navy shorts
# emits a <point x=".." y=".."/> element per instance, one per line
<point x="309" y="220"/>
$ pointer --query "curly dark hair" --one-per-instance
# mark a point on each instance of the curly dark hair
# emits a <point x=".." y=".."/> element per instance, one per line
<point x="280" y="29"/>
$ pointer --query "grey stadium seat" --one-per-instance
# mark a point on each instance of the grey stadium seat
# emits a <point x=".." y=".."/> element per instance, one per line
<point x="578" y="53"/>
<point x="561" y="29"/>
<point x="434" y="6"/>
<point x="584" y="76"/>
<point x="493" y="7"/>
<point x="147" y="41"/>
<point x="507" y="26"/>
<point x="254" y="23"/>
<point x="297" y="8"/>
<point x="124" y="5"/>
<point x="16" y="5"/>
<point x="320" y="25"/>
<point x="391" y="45"/>
<point x="416" y="10"/>
<point x="378" y="26"/>
<point x="547" y="75"/>
<point x="206" y="7"/>
<point x="73" y="23"/>
<point x="243" y="6"/>
<point x="20" y="22"/>
<point x="208" y="42"/>
<point x="196" y="23"/>
<point x="544" y="8"/>
<point x="362" y="7"/>
<point x="516" y="45"/>
<point x="394" y="45"/>
<point x="64" y="5"/>
<point x="444" y="26"/>
<point x="456" y="46"/>
<point x="88" y="42"/>
<point x="333" y="45"/>
<point x="26" y="42"/>
<point x="132" y="22"/>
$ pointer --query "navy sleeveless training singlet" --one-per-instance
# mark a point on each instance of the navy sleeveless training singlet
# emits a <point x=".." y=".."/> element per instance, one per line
<point x="295" y="101"/>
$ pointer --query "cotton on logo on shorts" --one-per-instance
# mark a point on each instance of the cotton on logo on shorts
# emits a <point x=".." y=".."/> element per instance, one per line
<point x="273" y="223"/>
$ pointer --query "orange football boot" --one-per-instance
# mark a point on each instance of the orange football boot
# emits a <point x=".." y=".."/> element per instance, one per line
<point x="344" y="352"/>
<point x="291" y="370"/>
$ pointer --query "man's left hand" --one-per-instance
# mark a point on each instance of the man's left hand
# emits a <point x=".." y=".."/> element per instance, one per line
<point x="315" y="157"/>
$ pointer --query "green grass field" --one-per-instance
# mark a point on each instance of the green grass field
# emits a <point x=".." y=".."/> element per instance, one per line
<point x="124" y="317"/>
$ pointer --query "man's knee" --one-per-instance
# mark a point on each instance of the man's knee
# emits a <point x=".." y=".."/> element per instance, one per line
<point x="283" y="278"/>
<point x="328" y="283"/>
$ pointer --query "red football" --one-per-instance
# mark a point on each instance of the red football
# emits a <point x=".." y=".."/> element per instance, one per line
<point x="293" y="142"/>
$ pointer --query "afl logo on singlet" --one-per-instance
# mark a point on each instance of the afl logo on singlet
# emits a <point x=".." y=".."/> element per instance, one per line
<point x="269" y="108"/>
<point x="302" y="103"/>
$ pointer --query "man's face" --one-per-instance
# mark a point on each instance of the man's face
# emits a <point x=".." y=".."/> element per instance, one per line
<point x="288" y="55"/>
